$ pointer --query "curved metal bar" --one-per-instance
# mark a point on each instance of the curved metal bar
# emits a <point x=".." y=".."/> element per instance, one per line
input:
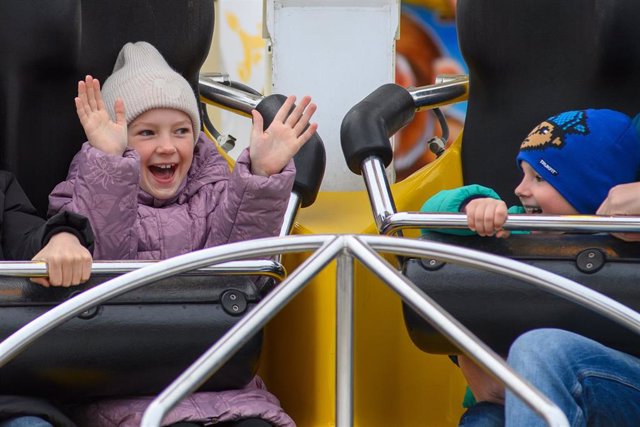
<point x="263" y="247"/>
<point x="461" y="336"/>
<point x="290" y="214"/>
<point x="568" y="223"/>
<point x="215" y="93"/>
<point x="448" y="91"/>
<point x="378" y="190"/>
<point x="109" y="268"/>
<point x="20" y="339"/>
<point x="224" y="348"/>
<point x="450" y="328"/>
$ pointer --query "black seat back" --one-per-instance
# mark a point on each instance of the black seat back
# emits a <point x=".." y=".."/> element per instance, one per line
<point x="135" y="344"/>
<point x="47" y="46"/>
<point x="531" y="59"/>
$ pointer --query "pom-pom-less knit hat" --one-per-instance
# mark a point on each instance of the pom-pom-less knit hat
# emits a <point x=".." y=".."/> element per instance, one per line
<point x="144" y="80"/>
<point x="583" y="154"/>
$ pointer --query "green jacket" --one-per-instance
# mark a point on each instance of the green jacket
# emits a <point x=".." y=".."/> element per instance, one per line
<point x="456" y="199"/>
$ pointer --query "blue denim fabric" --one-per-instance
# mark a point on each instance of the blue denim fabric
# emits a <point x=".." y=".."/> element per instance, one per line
<point x="25" y="421"/>
<point x="483" y="414"/>
<point x="592" y="384"/>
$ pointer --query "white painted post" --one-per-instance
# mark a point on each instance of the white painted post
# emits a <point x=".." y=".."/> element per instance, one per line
<point x="337" y="51"/>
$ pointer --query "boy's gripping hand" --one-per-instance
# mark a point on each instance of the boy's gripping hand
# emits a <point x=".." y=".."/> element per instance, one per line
<point x="270" y="150"/>
<point x="623" y="200"/>
<point x="486" y="216"/>
<point x="68" y="262"/>
<point x="102" y="133"/>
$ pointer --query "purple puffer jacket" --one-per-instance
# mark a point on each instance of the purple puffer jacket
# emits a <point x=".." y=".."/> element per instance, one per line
<point x="213" y="206"/>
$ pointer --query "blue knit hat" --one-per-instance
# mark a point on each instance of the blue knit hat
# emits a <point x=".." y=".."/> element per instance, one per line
<point x="583" y="154"/>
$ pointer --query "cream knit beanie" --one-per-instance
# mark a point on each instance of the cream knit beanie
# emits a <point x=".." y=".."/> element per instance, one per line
<point x="143" y="80"/>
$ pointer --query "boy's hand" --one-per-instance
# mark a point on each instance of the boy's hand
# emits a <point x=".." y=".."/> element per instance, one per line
<point x="101" y="131"/>
<point x="68" y="262"/>
<point x="623" y="199"/>
<point x="483" y="386"/>
<point x="270" y="150"/>
<point x="486" y="217"/>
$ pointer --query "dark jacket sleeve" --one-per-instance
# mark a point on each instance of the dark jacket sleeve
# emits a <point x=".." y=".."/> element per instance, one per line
<point x="24" y="233"/>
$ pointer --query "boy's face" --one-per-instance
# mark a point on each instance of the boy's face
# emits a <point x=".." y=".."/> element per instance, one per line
<point x="163" y="138"/>
<point x="538" y="196"/>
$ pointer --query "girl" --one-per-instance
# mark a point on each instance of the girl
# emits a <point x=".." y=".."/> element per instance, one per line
<point x="155" y="187"/>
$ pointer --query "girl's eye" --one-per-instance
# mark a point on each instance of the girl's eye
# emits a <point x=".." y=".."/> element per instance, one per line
<point x="183" y="131"/>
<point x="145" y="132"/>
<point x="538" y="178"/>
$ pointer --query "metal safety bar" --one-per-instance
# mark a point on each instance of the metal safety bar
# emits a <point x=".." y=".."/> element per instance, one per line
<point x="109" y="268"/>
<point x="448" y="89"/>
<point x="226" y="96"/>
<point x="391" y="222"/>
<point x="345" y="248"/>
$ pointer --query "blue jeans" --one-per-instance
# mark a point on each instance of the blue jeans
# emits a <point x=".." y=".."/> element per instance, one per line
<point x="25" y="421"/>
<point x="592" y="384"/>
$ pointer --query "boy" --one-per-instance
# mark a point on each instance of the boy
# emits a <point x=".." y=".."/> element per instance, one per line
<point x="570" y="162"/>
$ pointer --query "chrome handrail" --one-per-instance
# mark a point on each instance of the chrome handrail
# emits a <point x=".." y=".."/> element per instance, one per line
<point x="447" y="90"/>
<point x="266" y="268"/>
<point x="391" y="222"/>
<point x="230" y="98"/>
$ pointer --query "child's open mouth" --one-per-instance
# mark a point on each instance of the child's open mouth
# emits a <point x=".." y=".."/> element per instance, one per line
<point x="532" y="210"/>
<point x="163" y="172"/>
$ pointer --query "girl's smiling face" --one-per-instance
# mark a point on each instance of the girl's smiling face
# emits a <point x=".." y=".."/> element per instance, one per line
<point x="538" y="196"/>
<point x="164" y="140"/>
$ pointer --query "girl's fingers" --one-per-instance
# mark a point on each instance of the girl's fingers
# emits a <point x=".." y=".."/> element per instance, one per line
<point x="82" y="96"/>
<point x="80" y="109"/>
<point x="257" y="128"/>
<point x="283" y="112"/>
<point x="304" y="120"/>
<point x="313" y="127"/>
<point x="119" y="108"/>
<point x="296" y="114"/>
<point x="91" y="96"/>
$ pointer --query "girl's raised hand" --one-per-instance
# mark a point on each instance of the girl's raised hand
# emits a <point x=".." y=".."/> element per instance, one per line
<point x="102" y="133"/>
<point x="270" y="150"/>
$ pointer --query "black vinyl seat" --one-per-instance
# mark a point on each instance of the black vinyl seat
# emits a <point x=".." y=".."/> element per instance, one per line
<point x="498" y="308"/>
<point x="135" y="344"/>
